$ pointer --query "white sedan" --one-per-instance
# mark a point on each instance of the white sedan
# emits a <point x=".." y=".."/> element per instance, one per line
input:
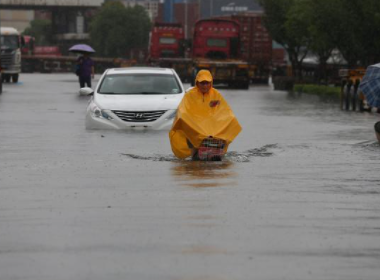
<point x="135" y="97"/>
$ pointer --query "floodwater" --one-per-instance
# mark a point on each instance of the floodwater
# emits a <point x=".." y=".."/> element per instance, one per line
<point x="297" y="196"/>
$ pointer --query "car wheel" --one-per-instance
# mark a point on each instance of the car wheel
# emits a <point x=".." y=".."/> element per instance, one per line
<point x="15" y="78"/>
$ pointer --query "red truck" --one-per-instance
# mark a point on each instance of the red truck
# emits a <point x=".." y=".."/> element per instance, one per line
<point x="215" y="46"/>
<point x="256" y="45"/>
<point x="166" y="41"/>
<point x="39" y="58"/>
<point x="168" y="48"/>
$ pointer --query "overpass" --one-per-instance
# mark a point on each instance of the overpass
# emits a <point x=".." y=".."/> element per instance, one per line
<point x="69" y="17"/>
<point x="48" y="4"/>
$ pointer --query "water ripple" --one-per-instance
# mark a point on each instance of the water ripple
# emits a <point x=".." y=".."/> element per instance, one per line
<point x="230" y="156"/>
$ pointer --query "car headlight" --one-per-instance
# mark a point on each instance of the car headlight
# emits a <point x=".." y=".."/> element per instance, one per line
<point x="99" y="113"/>
<point x="172" y="115"/>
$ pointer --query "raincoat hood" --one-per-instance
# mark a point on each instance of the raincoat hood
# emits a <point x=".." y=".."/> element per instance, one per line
<point x="203" y="75"/>
<point x="200" y="116"/>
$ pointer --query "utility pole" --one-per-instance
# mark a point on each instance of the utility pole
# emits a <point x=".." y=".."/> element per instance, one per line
<point x="185" y="19"/>
<point x="199" y="9"/>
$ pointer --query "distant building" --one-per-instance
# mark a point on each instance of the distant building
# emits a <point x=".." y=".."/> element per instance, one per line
<point x="151" y="6"/>
<point x="19" y="14"/>
<point x="187" y="12"/>
<point x="212" y="8"/>
<point x="19" y="19"/>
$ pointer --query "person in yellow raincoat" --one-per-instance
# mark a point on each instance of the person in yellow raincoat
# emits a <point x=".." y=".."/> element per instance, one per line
<point x="202" y="113"/>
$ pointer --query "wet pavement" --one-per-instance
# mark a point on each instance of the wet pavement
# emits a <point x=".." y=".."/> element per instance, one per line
<point x="297" y="196"/>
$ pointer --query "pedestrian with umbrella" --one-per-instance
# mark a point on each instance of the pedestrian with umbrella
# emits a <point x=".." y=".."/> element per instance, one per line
<point x="85" y="69"/>
<point x="370" y="87"/>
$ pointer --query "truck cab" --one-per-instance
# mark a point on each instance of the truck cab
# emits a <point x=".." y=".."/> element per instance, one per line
<point x="11" y="43"/>
<point x="166" y="41"/>
<point x="216" y="39"/>
<point x="216" y="47"/>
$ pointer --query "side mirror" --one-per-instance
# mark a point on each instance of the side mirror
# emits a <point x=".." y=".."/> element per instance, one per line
<point x="86" y="91"/>
<point x="22" y="41"/>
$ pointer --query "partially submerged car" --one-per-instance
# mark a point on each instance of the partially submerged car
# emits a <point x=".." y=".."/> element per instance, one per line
<point x="134" y="97"/>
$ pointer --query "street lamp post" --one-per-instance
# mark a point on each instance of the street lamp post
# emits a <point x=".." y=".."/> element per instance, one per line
<point x="185" y="19"/>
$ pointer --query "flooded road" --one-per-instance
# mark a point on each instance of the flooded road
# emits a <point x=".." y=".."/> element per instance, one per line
<point x="297" y="196"/>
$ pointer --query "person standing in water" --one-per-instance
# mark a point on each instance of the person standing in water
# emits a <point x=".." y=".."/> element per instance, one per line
<point x="86" y="70"/>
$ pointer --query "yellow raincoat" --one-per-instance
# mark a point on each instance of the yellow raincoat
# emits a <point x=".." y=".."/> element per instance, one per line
<point x="200" y="116"/>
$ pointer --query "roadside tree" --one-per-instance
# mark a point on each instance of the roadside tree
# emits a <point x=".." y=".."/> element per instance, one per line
<point x="321" y="44"/>
<point x="116" y="30"/>
<point x="288" y="22"/>
<point x="41" y="30"/>
<point x="352" y="26"/>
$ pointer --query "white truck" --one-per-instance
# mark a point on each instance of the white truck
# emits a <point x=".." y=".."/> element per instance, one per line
<point x="11" y="43"/>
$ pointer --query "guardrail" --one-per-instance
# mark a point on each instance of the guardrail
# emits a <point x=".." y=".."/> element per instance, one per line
<point x="66" y="64"/>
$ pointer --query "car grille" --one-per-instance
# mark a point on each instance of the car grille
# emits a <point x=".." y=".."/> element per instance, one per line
<point x="145" y="116"/>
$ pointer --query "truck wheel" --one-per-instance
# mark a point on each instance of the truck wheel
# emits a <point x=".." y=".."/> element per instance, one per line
<point x="347" y="96"/>
<point x="361" y="105"/>
<point x="192" y="82"/>
<point x="355" y="96"/>
<point x="15" y="78"/>
<point x="245" y="85"/>
<point x="7" y="78"/>
<point x="193" y="76"/>
<point x="354" y="100"/>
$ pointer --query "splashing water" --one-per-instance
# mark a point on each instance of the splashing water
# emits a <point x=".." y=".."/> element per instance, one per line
<point x="230" y="156"/>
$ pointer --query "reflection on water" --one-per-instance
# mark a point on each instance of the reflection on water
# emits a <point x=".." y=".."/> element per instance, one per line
<point x="229" y="157"/>
<point x="203" y="174"/>
<point x="323" y="98"/>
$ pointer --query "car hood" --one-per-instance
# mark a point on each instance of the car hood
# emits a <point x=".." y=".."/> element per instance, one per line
<point x="139" y="102"/>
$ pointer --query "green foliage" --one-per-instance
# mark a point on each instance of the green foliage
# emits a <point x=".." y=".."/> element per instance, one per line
<point x="115" y="30"/>
<point x="320" y="26"/>
<point x="275" y="18"/>
<point x="288" y="22"/>
<point x="41" y="30"/>
<point x="317" y="89"/>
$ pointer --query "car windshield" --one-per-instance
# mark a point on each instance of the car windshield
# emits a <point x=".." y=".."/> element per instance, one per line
<point x="139" y="84"/>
